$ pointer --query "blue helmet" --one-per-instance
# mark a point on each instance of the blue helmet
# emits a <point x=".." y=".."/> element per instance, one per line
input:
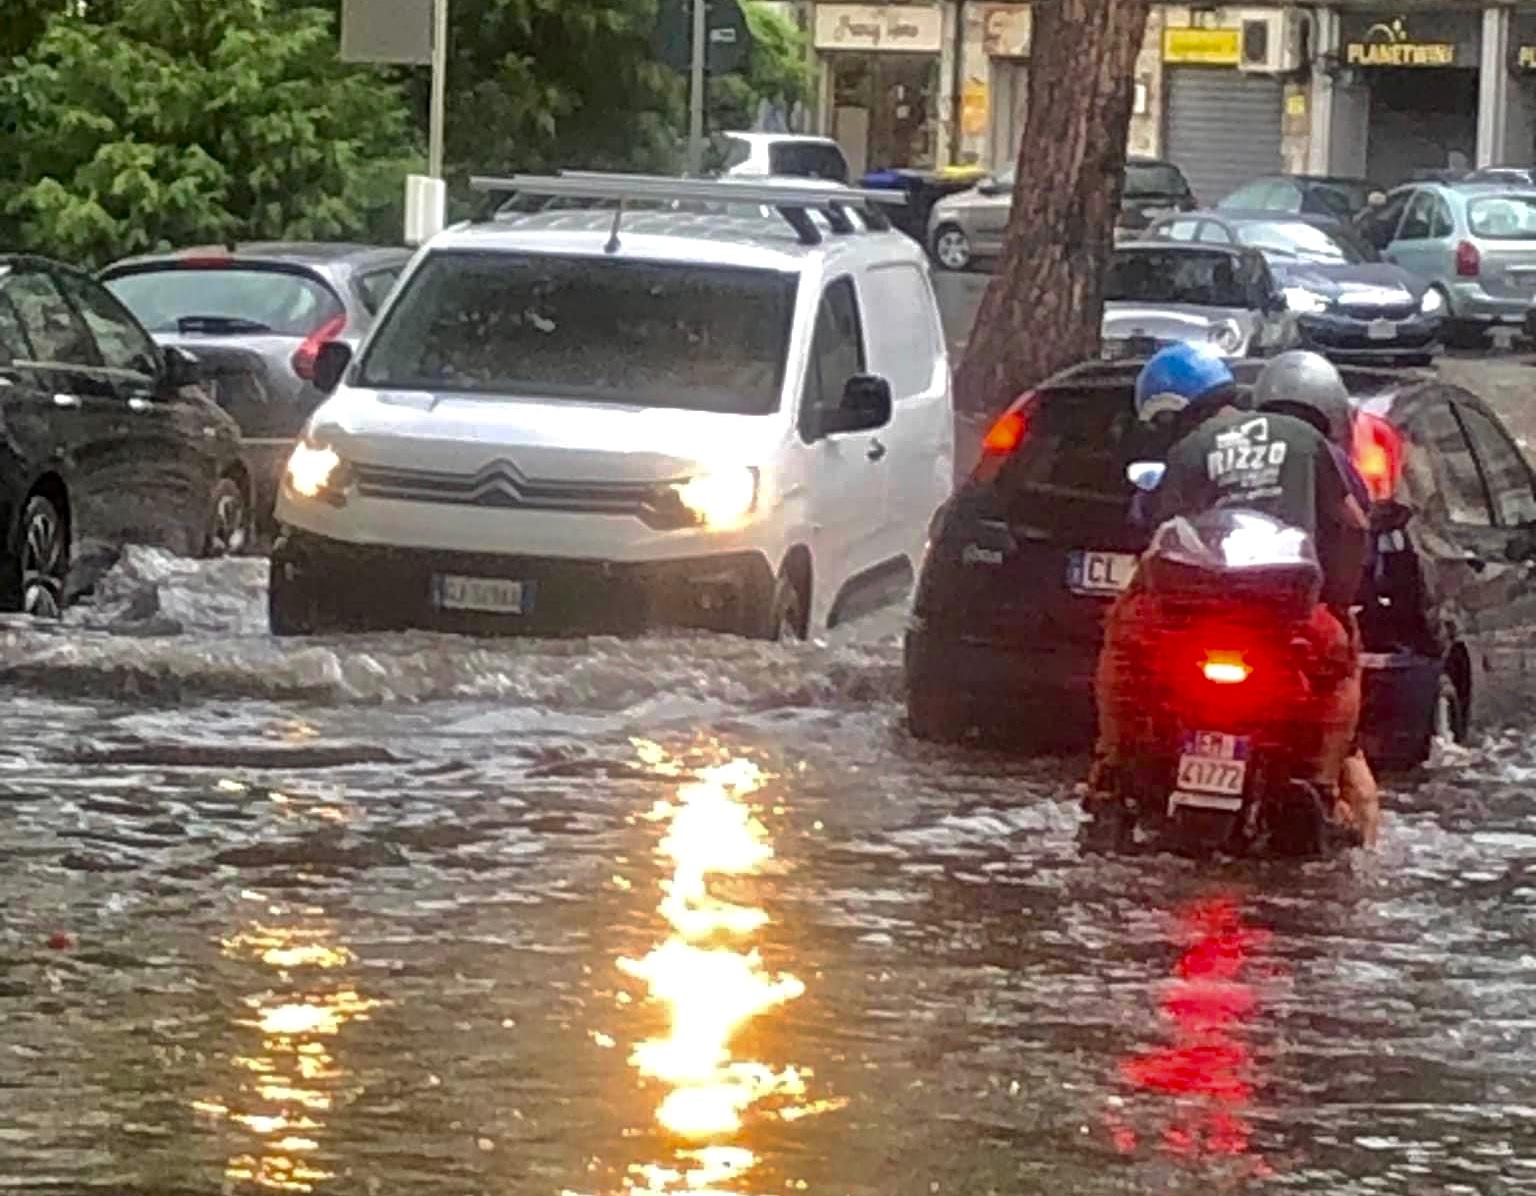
<point x="1178" y="376"/>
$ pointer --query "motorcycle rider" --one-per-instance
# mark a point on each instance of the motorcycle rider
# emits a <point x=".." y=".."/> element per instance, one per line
<point x="1264" y="461"/>
<point x="1308" y="386"/>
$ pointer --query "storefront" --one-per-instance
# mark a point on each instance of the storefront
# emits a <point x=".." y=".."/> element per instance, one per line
<point x="1223" y="126"/>
<point x="1407" y="97"/>
<point x="1006" y="42"/>
<point x="882" y="78"/>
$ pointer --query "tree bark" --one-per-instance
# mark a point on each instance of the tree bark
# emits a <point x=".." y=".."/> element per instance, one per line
<point x="1043" y="309"/>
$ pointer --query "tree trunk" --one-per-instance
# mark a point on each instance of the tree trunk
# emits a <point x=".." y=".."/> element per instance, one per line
<point x="1043" y="309"/>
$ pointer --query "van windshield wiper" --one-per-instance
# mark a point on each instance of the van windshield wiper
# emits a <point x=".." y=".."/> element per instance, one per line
<point x="229" y="325"/>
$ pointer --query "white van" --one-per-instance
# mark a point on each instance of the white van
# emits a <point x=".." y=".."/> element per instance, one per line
<point x="591" y="421"/>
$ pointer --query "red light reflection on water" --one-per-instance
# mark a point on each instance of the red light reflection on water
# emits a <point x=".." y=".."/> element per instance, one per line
<point x="1207" y="1069"/>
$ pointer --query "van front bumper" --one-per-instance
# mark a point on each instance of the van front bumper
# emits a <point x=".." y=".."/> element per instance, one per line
<point x="336" y="585"/>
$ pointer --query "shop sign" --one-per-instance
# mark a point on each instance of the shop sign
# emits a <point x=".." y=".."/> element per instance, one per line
<point x="1204" y="47"/>
<point x="975" y="103"/>
<point x="879" y="27"/>
<point x="1432" y="40"/>
<point x="1008" y="30"/>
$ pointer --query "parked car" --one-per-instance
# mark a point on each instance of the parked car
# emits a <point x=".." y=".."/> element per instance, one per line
<point x="256" y="315"/>
<point x="968" y="228"/>
<point x="1518" y="177"/>
<point x="791" y="155"/>
<point x="1158" y="293"/>
<point x="1349" y="304"/>
<point x="1028" y="552"/>
<point x="108" y="440"/>
<point x="1338" y="196"/>
<point x="737" y="423"/>
<point x="1474" y="243"/>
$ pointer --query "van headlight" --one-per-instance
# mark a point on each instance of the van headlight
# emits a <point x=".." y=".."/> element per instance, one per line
<point x="1433" y="303"/>
<point x="722" y="498"/>
<point x="316" y="471"/>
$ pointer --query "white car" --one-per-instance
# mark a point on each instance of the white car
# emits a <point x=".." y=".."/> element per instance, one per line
<point x="590" y="421"/>
<point x="772" y="155"/>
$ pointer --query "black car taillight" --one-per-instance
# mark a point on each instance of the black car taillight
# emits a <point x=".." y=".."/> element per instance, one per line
<point x="1003" y="438"/>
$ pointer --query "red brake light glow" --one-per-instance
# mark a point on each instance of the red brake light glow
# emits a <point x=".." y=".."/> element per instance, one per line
<point x="304" y="356"/>
<point x="1006" y="434"/>
<point x="1378" y="454"/>
<point x="1469" y="263"/>
<point x="1225" y="668"/>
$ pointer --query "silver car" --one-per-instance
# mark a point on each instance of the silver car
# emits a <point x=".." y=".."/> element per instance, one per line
<point x="255" y="316"/>
<point x="1159" y="293"/>
<point x="1475" y="243"/>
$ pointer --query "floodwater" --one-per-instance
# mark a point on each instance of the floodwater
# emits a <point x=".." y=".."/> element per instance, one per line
<point x="415" y="915"/>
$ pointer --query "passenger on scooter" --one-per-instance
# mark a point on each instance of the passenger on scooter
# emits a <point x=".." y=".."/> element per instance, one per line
<point x="1227" y="457"/>
<point x="1308" y="386"/>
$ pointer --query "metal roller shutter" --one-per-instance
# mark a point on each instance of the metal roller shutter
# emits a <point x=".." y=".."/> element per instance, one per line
<point x="1223" y="128"/>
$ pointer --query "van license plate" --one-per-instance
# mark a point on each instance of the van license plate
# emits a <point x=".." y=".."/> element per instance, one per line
<point x="1381" y="330"/>
<point x="493" y="595"/>
<point x="1213" y="763"/>
<point x="1100" y="572"/>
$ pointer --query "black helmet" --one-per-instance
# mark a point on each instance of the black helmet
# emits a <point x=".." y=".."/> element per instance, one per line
<point x="1308" y="386"/>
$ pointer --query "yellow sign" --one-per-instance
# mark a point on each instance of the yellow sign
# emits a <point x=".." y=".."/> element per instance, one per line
<point x="1296" y="104"/>
<point x="1207" y="47"/>
<point x="1400" y="54"/>
<point x="973" y="108"/>
<point x="1527" y="58"/>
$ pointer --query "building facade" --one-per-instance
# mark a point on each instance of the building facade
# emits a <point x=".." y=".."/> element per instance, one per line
<point x="1357" y="87"/>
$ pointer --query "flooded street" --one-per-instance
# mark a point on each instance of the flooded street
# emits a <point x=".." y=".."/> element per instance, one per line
<point x="416" y="915"/>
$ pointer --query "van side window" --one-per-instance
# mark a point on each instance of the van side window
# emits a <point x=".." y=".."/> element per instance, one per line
<point x="837" y="351"/>
<point x="904" y="344"/>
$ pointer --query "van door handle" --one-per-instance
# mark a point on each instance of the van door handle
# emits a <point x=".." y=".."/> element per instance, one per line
<point x="62" y="400"/>
<point x="876" y="451"/>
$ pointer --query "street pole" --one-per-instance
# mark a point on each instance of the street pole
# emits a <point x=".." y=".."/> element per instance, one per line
<point x="439" y="88"/>
<point x="696" y="88"/>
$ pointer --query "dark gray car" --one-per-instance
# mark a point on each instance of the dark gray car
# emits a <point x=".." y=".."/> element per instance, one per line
<point x="256" y="315"/>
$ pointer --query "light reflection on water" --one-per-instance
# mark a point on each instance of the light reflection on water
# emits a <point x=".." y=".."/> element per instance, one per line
<point x="291" y="1078"/>
<point x="711" y="978"/>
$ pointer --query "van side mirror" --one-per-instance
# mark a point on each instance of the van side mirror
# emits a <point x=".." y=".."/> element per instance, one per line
<point x="182" y="369"/>
<point x="330" y="364"/>
<point x="866" y="405"/>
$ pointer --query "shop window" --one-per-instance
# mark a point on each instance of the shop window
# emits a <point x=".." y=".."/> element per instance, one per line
<point x="1509" y="481"/>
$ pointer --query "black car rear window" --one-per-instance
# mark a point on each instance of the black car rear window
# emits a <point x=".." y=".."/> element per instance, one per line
<point x="808" y="160"/>
<point x="1069" y="473"/>
<point x="230" y="299"/>
<point x="1153" y="178"/>
<point x="1214" y="279"/>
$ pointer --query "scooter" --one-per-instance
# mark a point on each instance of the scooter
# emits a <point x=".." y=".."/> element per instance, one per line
<point x="1230" y="679"/>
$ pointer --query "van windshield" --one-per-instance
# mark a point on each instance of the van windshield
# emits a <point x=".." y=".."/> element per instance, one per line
<point x="650" y="334"/>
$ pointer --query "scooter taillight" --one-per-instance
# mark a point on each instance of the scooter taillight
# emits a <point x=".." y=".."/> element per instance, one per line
<point x="1225" y="668"/>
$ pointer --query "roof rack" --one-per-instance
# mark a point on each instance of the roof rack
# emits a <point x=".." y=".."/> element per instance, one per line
<point x="791" y="199"/>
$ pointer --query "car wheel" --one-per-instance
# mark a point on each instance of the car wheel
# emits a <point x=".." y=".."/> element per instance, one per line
<point x="42" y="559"/>
<point x="1466" y="334"/>
<point x="786" y="622"/>
<point x="952" y="248"/>
<point x="292" y="607"/>
<point x="229" y="520"/>
<point x="937" y="715"/>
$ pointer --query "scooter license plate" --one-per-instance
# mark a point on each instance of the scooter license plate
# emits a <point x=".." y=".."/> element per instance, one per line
<point x="1212" y="772"/>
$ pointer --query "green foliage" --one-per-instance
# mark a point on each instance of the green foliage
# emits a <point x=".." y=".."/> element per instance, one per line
<point x="132" y="125"/>
<point x="179" y="121"/>
<point x="777" y="71"/>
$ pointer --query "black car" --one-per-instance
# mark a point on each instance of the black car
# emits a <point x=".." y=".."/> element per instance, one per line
<point x="1348" y="302"/>
<point x="108" y="440"/>
<point x="1338" y="196"/>
<point x="255" y="315"/>
<point x="1025" y="558"/>
<point x="1153" y="188"/>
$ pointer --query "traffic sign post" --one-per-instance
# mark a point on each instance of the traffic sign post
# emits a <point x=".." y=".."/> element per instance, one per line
<point x="702" y="37"/>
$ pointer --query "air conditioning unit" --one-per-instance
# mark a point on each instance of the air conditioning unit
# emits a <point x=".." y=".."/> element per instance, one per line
<point x="1272" y="40"/>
